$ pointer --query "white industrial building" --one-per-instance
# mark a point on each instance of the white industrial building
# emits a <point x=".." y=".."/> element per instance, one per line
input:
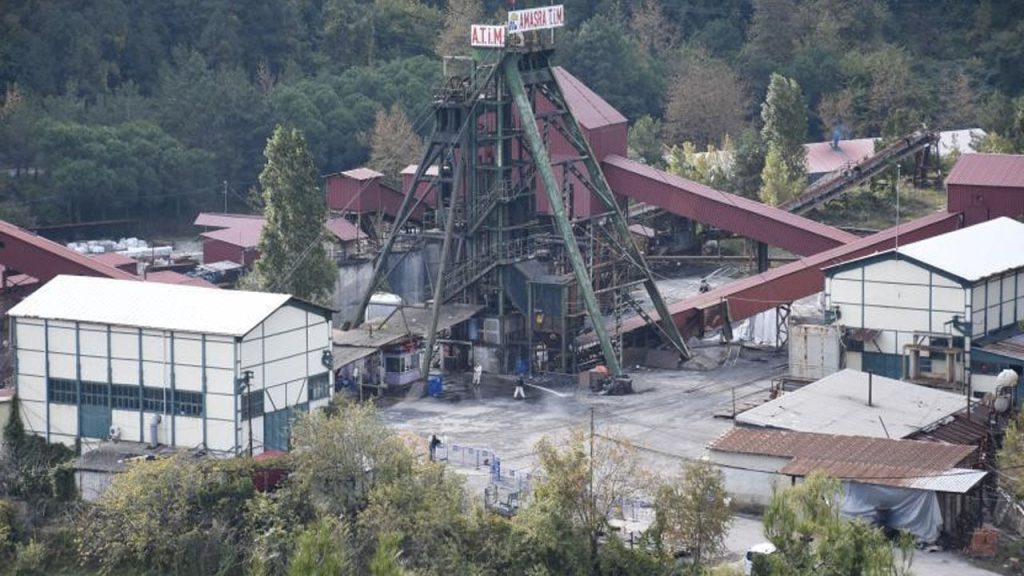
<point x="918" y="311"/>
<point x="112" y="359"/>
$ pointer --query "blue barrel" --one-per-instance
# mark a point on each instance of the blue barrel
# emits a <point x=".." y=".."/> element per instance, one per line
<point x="435" y="385"/>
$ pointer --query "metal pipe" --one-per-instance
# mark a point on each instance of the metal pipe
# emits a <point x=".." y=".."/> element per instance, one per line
<point x="870" y="387"/>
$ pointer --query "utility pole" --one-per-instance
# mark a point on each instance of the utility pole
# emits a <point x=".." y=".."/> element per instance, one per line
<point x="897" y="207"/>
<point x="247" y="381"/>
<point x="593" y="499"/>
<point x="225" y="196"/>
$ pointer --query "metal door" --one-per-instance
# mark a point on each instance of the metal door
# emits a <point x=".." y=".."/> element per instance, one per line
<point x="277" y="427"/>
<point x="889" y="365"/>
<point x="94" y="413"/>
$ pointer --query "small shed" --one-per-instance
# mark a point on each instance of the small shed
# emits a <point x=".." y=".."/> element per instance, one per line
<point x="917" y="486"/>
<point x="985" y="186"/>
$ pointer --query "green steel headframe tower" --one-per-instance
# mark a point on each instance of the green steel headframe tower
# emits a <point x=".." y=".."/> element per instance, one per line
<point x="485" y="177"/>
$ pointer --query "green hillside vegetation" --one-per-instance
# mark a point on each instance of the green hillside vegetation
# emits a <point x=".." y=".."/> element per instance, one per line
<point x="139" y="109"/>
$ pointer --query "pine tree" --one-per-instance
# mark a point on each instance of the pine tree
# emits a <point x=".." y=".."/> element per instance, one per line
<point x="393" y="143"/>
<point x="785" y="123"/>
<point x="292" y="256"/>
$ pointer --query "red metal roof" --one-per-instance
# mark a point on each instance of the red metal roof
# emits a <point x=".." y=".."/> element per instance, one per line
<point x="876" y="460"/>
<point x="43" y="259"/>
<point x="245" y="235"/>
<point x="344" y="230"/>
<point x="822" y="158"/>
<point x="590" y="110"/>
<point x="114" y="259"/>
<point x="172" y="277"/>
<point x="1002" y="170"/>
<point x="723" y="210"/>
<point x="787" y="283"/>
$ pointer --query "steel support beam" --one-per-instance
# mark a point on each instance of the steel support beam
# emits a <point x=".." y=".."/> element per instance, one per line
<point x="535" y="145"/>
<point x="604" y="193"/>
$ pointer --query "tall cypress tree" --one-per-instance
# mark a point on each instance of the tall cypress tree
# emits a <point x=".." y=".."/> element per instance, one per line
<point x="292" y="256"/>
<point x="785" y="123"/>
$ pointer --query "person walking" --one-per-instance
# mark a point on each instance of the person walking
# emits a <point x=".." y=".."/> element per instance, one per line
<point x="519" y="393"/>
<point x="478" y="371"/>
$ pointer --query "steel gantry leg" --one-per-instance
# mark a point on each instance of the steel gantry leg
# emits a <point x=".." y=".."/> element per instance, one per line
<point x="603" y="191"/>
<point x="536" y="147"/>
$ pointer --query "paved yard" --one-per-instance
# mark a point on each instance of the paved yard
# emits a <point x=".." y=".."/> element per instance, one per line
<point x="670" y="418"/>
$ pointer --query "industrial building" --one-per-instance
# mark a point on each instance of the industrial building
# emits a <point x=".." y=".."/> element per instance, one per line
<point x="165" y="364"/>
<point x="918" y="312"/>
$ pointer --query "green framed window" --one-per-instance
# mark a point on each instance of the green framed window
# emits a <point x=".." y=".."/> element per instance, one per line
<point x="319" y="386"/>
<point x="188" y="403"/>
<point x="154" y="400"/>
<point x="62" y="391"/>
<point x="252" y="404"/>
<point x="124" y="397"/>
<point x="95" y="393"/>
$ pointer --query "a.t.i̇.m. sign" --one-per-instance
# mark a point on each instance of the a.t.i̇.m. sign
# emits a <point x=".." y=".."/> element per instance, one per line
<point x="486" y="36"/>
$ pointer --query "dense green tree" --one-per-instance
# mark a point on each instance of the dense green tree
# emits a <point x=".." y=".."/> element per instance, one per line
<point x="778" y="183"/>
<point x="292" y="255"/>
<point x="706" y="102"/>
<point x="748" y="162"/>
<point x="645" y="141"/>
<point x="784" y="115"/>
<point x="174" y="515"/>
<point x="340" y="457"/>
<point x="693" y="511"/>
<point x="322" y="549"/>
<point x="614" y="65"/>
<point x="803" y="523"/>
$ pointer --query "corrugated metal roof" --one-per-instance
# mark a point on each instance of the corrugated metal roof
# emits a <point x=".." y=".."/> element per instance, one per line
<point x="172" y="277"/>
<point x="838" y="404"/>
<point x="906" y="463"/>
<point x="410" y="170"/>
<point x="113" y="259"/>
<point x="344" y="230"/>
<point x="149" y="305"/>
<point x="590" y="110"/>
<point x="974" y="252"/>
<point x="361" y="174"/>
<point x="245" y="236"/>
<point x="65" y="254"/>
<point x="1000" y="170"/>
<point x="954" y="480"/>
<point x="822" y="158"/>
<point x="224" y="220"/>
<point x="1012" y="347"/>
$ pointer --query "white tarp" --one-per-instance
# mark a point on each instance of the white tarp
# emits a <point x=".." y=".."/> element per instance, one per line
<point x="913" y="511"/>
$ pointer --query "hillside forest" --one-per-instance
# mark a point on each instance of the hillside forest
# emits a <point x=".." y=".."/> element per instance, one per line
<point x="152" y="110"/>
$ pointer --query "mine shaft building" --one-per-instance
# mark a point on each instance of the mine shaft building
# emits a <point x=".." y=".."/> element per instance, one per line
<point x="182" y="366"/>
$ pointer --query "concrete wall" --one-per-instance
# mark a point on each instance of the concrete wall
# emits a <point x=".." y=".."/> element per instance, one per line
<point x="750" y="478"/>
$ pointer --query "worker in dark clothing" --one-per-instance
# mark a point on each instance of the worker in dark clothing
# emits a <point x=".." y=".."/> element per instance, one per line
<point x="434" y="443"/>
<point x="704" y="286"/>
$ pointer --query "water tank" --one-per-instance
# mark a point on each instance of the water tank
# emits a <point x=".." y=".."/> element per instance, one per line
<point x="381" y="305"/>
